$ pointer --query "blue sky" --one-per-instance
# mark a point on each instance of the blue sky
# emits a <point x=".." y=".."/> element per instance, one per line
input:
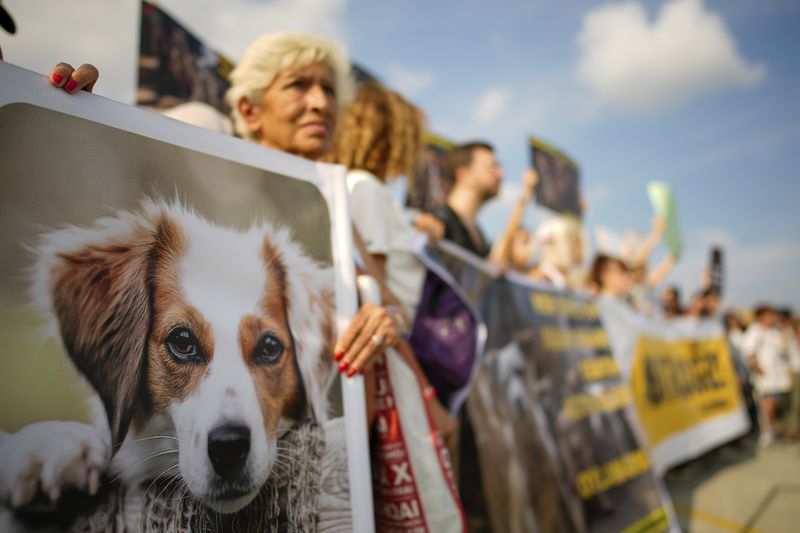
<point x="699" y="94"/>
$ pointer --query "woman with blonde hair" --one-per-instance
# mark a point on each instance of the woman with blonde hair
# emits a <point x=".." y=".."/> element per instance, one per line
<point x="562" y="250"/>
<point x="287" y="90"/>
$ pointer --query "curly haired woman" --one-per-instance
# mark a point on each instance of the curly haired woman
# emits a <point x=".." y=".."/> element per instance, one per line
<point x="380" y="139"/>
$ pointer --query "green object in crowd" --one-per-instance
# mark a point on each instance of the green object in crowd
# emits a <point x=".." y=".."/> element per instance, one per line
<point x="664" y="206"/>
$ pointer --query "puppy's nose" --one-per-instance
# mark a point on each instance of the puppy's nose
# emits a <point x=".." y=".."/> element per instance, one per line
<point x="228" y="447"/>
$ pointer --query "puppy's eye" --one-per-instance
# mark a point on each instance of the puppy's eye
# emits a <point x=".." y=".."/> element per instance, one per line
<point x="182" y="344"/>
<point x="268" y="350"/>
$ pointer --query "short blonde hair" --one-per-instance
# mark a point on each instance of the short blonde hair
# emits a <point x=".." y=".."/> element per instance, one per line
<point x="558" y="236"/>
<point x="271" y="54"/>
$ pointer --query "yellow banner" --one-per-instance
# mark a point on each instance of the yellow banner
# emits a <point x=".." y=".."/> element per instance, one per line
<point x="677" y="384"/>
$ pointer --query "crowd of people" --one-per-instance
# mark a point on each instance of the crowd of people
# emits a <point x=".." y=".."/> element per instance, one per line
<point x="292" y="92"/>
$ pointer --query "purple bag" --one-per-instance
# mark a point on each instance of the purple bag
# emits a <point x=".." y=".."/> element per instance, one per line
<point x="444" y="337"/>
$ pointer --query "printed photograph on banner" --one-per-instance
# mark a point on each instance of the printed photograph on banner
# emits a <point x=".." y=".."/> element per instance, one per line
<point x="175" y="66"/>
<point x="180" y="302"/>
<point x="558" y="187"/>
<point x="428" y="188"/>
<point x="558" y="441"/>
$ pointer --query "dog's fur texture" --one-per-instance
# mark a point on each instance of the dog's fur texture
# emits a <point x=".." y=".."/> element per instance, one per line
<point x="184" y="327"/>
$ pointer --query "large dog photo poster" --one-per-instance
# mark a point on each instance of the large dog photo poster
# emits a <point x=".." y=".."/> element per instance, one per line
<point x="196" y="282"/>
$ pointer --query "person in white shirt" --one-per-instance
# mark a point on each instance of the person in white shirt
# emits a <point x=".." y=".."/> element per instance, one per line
<point x="787" y="326"/>
<point x="610" y="276"/>
<point x="380" y="139"/>
<point x="765" y="352"/>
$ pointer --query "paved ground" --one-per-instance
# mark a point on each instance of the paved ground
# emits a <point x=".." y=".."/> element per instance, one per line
<point x="739" y="488"/>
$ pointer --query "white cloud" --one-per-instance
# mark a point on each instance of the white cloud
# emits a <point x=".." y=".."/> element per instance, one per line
<point x="409" y="81"/>
<point x="106" y="33"/>
<point x="639" y="66"/>
<point x="491" y="104"/>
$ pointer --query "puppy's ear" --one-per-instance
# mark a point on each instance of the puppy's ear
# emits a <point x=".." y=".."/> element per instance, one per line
<point x="315" y="333"/>
<point x="311" y="311"/>
<point x="95" y="283"/>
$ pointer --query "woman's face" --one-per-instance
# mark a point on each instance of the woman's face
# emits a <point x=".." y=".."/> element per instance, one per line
<point x="297" y="112"/>
<point x="616" y="279"/>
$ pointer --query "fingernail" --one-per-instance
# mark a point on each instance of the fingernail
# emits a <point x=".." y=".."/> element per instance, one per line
<point x="351" y="372"/>
<point x="57" y="78"/>
<point x="362" y="371"/>
<point x="70" y="86"/>
<point x="338" y="355"/>
<point x="343" y="366"/>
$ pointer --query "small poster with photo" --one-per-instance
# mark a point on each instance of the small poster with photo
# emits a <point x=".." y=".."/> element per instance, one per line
<point x="558" y="187"/>
<point x="175" y="66"/>
<point x="428" y="187"/>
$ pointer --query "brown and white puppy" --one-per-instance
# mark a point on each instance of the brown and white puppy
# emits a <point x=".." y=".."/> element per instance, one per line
<point x="204" y="344"/>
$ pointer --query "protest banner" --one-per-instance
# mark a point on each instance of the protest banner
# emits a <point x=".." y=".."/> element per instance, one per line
<point x="412" y="478"/>
<point x="683" y="381"/>
<point x="428" y="188"/>
<point x="559" y="442"/>
<point x="175" y="66"/>
<point x="558" y="187"/>
<point x="81" y="173"/>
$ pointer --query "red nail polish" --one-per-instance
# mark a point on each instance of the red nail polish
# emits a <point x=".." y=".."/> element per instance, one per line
<point x="351" y="372"/>
<point x="71" y="84"/>
<point x="57" y="78"/>
<point x="343" y="366"/>
<point x="338" y="355"/>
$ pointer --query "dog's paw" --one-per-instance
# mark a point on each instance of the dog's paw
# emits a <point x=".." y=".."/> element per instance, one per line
<point x="51" y="457"/>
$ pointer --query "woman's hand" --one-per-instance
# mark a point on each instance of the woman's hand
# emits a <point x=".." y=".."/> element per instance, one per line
<point x="658" y="226"/>
<point x="397" y="312"/>
<point x="530" y="178"/>
<point x="73" y="80"/>
<point x="430" y="226"/>
<point x="369" y="333"/>
<point x="446" y="425"/>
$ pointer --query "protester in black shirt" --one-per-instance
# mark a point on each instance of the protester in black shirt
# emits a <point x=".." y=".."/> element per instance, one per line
<point x="474" y="175"/>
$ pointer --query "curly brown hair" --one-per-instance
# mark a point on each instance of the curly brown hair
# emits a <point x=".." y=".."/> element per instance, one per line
<point x="380" y="132"/>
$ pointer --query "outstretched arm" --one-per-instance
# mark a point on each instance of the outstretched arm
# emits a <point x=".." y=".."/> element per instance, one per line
<point x="501" y="251"/>
<point x="658" y="274"/>
<point x="650" y="243"/>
